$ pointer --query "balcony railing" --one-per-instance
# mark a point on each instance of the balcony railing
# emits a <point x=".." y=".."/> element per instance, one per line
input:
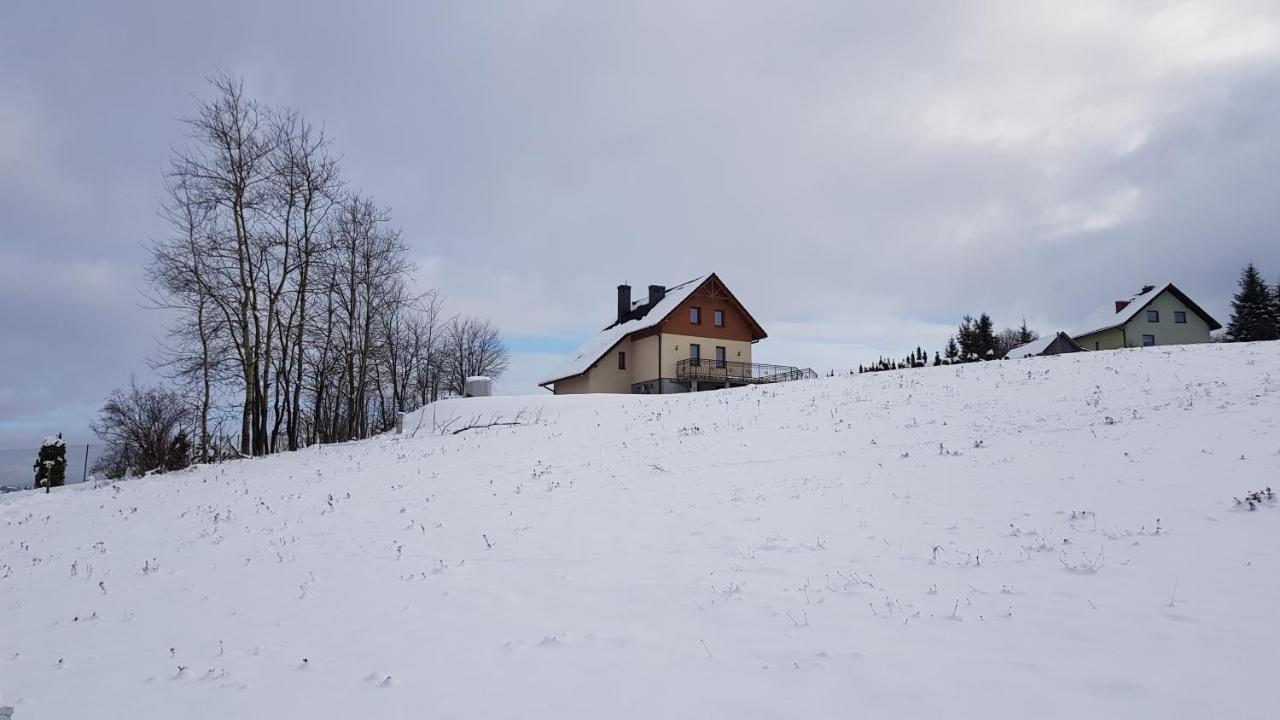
<point x="738" y="373"/>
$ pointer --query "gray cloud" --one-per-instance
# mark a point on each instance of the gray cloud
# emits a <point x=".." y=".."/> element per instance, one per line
<point x="861" y="174"/>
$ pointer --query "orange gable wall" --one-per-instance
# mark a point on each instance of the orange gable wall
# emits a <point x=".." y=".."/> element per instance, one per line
<point x="710" y="297"/>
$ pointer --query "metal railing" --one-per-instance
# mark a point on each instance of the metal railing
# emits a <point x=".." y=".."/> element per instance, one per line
<point x="738" y="373"/>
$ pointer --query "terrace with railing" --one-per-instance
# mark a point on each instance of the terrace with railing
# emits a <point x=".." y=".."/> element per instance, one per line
<point x="730" y="373"/>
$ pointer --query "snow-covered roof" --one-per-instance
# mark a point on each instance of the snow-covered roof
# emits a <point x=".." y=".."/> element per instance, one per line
<point x="1035" y="347"/>
<point x="595" y="348"/>
<point x="1106" y="317"/>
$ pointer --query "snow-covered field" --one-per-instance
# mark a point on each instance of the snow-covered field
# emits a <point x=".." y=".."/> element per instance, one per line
<point x="1040" y="538"/>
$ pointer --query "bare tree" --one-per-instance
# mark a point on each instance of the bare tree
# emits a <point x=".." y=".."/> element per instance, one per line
<point x="1010" y="338"/>
<point x="292" y="301"/>
<point x="196" y="351"/>
<point x="473" y="347"/>
<point x="229" y="167"/>
<point x="142" y="427"/>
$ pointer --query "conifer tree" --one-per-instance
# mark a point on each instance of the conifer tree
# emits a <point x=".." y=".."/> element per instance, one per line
<point x="1025" y="334"/>
<point x="985" y="337"/>
<point x="178" y="455"/>
<point x="965" y="334"/>
<point x="1253" y="309"/>
<point x="54" y="451"/>
<point x="952" y="350"/>
<point x="1275" y="308"/>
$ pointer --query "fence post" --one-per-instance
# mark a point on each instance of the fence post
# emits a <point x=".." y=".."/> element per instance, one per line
<point x="84" y="477"/>
<point x="399" y="422"/>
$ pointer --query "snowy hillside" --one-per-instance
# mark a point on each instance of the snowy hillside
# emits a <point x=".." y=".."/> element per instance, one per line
<point x="1052" y="537"/>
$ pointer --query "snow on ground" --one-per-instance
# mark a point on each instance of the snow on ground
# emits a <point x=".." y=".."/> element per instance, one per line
<point x="1052" y="537"/>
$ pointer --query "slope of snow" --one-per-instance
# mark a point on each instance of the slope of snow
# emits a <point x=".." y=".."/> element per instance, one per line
<point x="1052" y="537"/>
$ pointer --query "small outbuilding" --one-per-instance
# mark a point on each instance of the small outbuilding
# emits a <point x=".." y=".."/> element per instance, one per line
<point x="1047" y="345"/>
<point x="478" y="386"/>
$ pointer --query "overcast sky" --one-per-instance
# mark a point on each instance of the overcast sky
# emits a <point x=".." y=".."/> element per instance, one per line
<point x="861" y="174"/>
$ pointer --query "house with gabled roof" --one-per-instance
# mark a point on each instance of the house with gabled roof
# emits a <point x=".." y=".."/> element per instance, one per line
<point x="1055" y="344"/>
<point x="693" y="336"/>
<point x="1156" y="315"/>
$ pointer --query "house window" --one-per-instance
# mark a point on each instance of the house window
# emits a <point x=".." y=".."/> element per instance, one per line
<point x="622" y="360"/>
<point x="1148" y="340"/>
<point x="695" y="353"/>
<point x="695" y="316"/>
<point x="720" y="353"/>
<point x="1153" y="316"/>
<point x="1180" y="317"/>
<point x="719" y="318"/>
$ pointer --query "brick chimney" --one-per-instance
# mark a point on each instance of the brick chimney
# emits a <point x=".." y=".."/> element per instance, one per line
<point x="624" y="302"/>
<point x="656" y="293"/>
<point x="1146" y="289"/>
<point x="1121" y="304"/>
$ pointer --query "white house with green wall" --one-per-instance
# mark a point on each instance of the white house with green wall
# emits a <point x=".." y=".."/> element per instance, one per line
<point x="1158" y="315"/>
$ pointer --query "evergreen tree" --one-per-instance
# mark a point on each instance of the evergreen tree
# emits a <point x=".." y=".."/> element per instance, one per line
<point x="985" y="337"/>
<point x="1275" y="307"/>
<point x="1026" y="334"/>
<point x="937" y="359"/>
<point x="1253" y="315"/>
<point x="54" y="450"/>
<point x="952" y="350"/>
<point x="965" y="334"/>
<point x="178" y="455"/>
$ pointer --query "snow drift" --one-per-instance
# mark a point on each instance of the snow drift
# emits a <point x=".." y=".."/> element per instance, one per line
<point x="1052" y="537"/>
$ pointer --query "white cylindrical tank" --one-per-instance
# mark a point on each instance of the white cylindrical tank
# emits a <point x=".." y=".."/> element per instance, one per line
<point x="478" y="386"/>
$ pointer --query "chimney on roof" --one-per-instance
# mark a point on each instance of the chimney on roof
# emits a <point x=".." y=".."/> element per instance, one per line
<point x="624" y="302"/>
<point x="1146" y="289"/>
<point x="656" y="293"/>
<point x="1121" y="304"/>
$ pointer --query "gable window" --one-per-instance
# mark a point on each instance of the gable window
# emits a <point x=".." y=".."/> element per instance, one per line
<point x="1148" y="340"/>
<point x="695" y="315"/>
<point x="622" y="360"/>
<point x="1180" y="317"/>
<point x="1153" y="316"/>
<point x="695" y="353"/>
<point x="718" y="318"/>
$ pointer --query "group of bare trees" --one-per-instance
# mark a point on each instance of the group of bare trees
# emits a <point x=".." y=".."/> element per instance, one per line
<point x="295" y="311"/>
<point x="144" y="428"/>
